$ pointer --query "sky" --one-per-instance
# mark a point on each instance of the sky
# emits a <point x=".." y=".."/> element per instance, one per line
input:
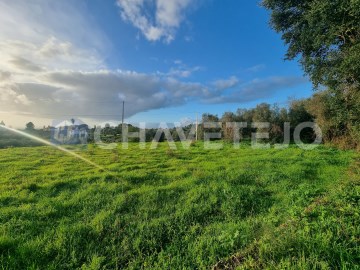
<point x="169" y="60"/>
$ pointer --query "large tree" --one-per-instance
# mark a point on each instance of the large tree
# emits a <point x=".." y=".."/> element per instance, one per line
<point x="30" y="126"/>
<point x="325" y="36"/>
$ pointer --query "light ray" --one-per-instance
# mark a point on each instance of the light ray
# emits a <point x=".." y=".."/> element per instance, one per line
<point x="67" y="151"/>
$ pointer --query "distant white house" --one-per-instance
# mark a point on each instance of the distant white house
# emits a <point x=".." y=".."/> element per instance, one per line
<point x="73" y="131"/>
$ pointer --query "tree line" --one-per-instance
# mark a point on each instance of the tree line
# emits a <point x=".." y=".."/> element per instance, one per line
<point x="313" y="109"/>
<point x="296" y="113"/>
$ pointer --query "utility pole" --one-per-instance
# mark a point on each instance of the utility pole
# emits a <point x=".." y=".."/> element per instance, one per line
<point x="123" y="112"/>
<point x="196" y="128"/>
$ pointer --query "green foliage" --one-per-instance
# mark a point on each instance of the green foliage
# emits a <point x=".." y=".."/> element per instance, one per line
<point x="323" y="235"/>
<point x="30" y="126"/>
<point x="176" y="209"/>
<point x="338" y="117"/>
<point x="9" y="139"/>
<point x="296" y="114"/>
<point x="325" y="36"/>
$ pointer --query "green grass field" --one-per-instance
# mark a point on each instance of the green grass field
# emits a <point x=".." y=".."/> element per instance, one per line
<point x="180" y="209"/>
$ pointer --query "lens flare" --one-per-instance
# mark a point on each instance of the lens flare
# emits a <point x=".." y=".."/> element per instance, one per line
<point x="67" y="151"/>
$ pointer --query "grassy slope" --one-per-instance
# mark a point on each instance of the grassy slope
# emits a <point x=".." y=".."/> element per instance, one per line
<point x="183" y="209"/>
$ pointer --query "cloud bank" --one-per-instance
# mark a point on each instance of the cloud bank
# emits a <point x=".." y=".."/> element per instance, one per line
<point x="34" y="85"/>
<point x="46" y="72"/>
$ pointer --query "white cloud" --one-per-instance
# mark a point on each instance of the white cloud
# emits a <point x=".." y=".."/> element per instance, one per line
<point x="8" y="94"/>
<point x="226" y="84"/>
<point x="170" y="13"/>
<point x="53" y="48"/>
<point x="4" y="76"/>
<point x="162" y="24"/>
<point x="37" y="20"/>
<point x="180" y="70"/>
<point x="256" y="68"/>
<point x="257" y="89"/>
<point x="183" y="71"/>
<point x="24" y="64"/>
<point x="52" y="53"/>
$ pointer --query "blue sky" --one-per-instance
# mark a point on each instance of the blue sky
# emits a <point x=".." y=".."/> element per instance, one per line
<point x="169" y="59"/>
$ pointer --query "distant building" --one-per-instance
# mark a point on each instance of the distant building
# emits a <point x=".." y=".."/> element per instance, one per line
<point x="73" y="131"/>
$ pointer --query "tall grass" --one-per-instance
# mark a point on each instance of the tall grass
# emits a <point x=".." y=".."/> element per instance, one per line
<point x="179" y="209"/>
